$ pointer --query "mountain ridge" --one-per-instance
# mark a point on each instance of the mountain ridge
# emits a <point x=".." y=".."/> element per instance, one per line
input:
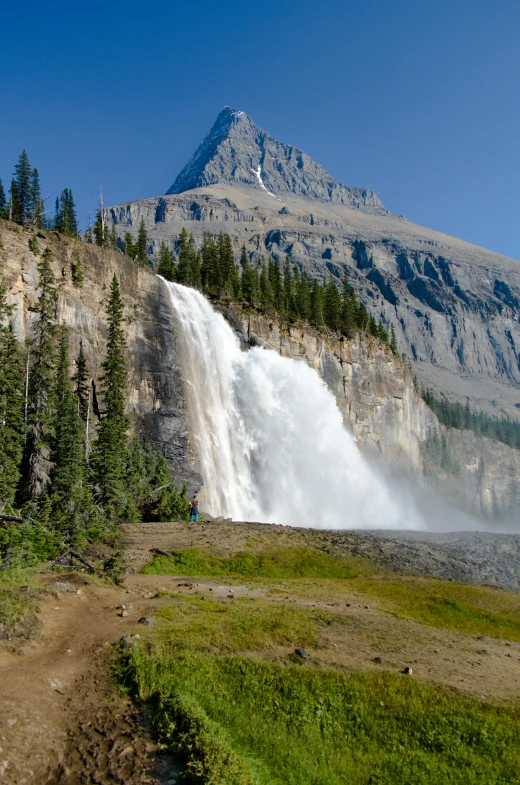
<point x="236" y="150"/>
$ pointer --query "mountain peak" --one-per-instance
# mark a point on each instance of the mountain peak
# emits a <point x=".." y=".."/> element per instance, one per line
<point x="237" y="151"/>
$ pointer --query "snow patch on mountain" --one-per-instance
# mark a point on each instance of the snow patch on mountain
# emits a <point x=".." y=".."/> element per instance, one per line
<point x="258" y="173"/>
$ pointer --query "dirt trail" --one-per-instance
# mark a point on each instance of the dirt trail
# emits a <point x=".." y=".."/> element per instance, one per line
<point x="63" y="723"/>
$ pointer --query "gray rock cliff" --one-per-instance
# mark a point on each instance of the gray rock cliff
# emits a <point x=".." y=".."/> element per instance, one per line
<point x="238" y="151"/>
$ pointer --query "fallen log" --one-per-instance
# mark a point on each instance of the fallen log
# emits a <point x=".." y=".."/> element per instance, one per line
<point x="12" y="518"/>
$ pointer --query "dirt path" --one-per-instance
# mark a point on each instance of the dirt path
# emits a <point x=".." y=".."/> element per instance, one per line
<point x="63" y="723"/>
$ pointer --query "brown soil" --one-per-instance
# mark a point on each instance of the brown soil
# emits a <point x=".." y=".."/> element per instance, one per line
<point x="63" y="723"/>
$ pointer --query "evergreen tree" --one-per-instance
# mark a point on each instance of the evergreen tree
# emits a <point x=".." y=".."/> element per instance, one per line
<point x="247" y="282"/>
<point x="65" y="219"/>
<point x="288" y="295"/>
<point x="72" y="506"/>
<point x="183" y="266"/>
<point x="142" y="245"/>
<point x="393" y="340"/>
<point x="303" y="297"/>
<point x="35" y="215"/>
<point x="276" y="281"/>
<point x="129" y="247"/>
<point x="41" y="404"/>
<point x="112" y="238"/>
<point x="210" y="266"/>
<point x="22" y="192"/>
<point x="316" y="308"/>
<point x="11" y="405"/>
<point x="265" y="294"/>
<point x="332" y="305"/>
<point x="164" y="502"/>
<point x="226" y="264"/>
<point x="165" y="263"/>
<point x="109" y="457"/>
<point x="3" y="202"/>
<point x="195" y="269"/>
<point x="75" y="269"/>
<point x="101" y="229"/>
<point x="81" y="385"/>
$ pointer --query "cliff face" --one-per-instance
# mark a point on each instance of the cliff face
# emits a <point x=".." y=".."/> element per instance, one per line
<point x="379" y="402"/>
<point x="455" y="307"/>
<point x="155" y="391"/>
<point x="236" y="150"/>
<point x="373" y="388"/>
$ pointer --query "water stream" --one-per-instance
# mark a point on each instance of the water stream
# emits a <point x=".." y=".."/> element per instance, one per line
<point x="270" y="436"/>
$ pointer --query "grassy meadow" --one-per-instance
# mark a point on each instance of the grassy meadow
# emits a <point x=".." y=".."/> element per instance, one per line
<point x="230" y="694"/>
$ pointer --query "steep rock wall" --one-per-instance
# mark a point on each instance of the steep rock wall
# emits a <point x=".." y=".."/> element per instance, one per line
<point x="156" y="401"/>
<point x="377" y="397"/>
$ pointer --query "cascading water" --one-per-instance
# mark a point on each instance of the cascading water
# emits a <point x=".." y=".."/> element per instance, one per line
<point x="271" y="439"/>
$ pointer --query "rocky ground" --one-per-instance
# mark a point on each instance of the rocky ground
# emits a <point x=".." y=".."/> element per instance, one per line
<point x="64" y="723"/>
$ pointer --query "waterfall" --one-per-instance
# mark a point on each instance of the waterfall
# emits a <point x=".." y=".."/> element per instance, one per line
<point x="270" y="437"/>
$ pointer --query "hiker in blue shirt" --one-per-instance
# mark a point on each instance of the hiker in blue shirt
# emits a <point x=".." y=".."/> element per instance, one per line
<point x="194" y="514"/>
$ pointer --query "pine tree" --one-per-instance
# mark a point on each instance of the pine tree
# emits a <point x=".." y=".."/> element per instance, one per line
<point x="303" y="297"/>
<point x="348" y="308"/>
<point x="247" y="284"/>
<point x="165" y="263"/>
<point x="66" y="222"/>
<point x="23" y="183"/>
<point x="276" y="281"/>
<point x="11" y="405"/>
<point x="109" y="455"/>
<point x="332" y="305"/>
<point x="265" y="292"/>
<point x="81" y="385"/>
<point x="142" y="245"/>
<point x="226" y="263"/>
<point x="183" y="266"/>
<point x="101" y="229"/>
<point x="316" y="311"/>
<point x="210" y="266"/>
<point x="393" y="340"/>
<point x="41" y="404"/>
<point x="195" y="269"/>
<point x="129" y="247"/>
<point x="287" y="304"/>
<point x="112" y="238"/>
<point x="72" y="506"/>
<point x="3" y="202"/>
<point x="35" y="212"/>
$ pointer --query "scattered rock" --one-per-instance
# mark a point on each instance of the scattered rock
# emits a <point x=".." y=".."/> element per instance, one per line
<point x="301" y="653"/>
<point x="123" y="614"/>
<point x="56" y="684"/>
<point x="146" y="620"/>
<point x="483" y="651"/>
<point x="378" y="660"/>
<point x="127" y="642"/>
<point x="407" y="670"/>
<point x="59" y="586"/>
<point x="188" y="585"/>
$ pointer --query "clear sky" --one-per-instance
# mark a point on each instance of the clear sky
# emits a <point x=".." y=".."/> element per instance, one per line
<point x="418" y="100"/>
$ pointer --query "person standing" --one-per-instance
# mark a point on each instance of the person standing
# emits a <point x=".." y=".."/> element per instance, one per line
<point x="194" y="514"/>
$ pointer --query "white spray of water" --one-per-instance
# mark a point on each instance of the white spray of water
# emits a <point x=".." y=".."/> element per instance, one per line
<point x="271" y="439"/>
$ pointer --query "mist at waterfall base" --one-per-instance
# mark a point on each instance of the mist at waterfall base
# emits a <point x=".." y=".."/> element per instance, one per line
<point x="271" y="439"/>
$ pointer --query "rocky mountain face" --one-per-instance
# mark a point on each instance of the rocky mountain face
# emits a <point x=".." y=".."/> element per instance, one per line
<point x="373" y="388"/>
<point x="238" y="151"/>
<point x="377" y="397"/>
<point x="155" y="402"/>
<point x="455" y="307"/>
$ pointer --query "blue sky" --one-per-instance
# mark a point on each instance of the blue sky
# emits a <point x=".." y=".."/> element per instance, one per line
<point x="417" y="100"/>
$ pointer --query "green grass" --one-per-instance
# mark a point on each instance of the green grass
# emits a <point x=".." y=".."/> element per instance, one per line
<point x="241" y="721"/>
<point x="283" y="563"/>
<point x="222" y="626"/>
<point x="18" y="609"/>
<point x="480" y="610"/>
